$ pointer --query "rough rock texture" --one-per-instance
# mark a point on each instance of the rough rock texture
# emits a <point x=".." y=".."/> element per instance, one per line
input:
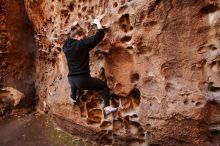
<point x="3" y="43"/>
<point x="9" y="98"/>
<point x="17" y="50"/>
<point x="159" y="57"/>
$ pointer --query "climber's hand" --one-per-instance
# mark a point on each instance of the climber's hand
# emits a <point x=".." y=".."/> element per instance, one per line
<point x="98" y="23"/>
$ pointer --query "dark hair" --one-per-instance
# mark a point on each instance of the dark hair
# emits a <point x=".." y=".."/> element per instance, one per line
<point x="76" y="30"/>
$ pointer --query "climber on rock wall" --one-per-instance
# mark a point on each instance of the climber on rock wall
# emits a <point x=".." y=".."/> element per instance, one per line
<point x="76" y="49"/>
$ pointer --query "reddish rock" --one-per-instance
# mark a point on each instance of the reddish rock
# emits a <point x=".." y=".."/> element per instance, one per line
<point x="160" y="59"/>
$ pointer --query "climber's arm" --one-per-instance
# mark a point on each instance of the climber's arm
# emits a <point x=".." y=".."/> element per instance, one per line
<point x="92" y="41"/>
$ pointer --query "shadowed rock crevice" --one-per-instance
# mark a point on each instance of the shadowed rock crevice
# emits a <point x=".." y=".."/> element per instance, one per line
<point x="210" y="8"/>
<point x="17" y="53"/>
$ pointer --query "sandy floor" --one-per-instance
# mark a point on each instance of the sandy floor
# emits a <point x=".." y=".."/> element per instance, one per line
<point x="35" y="130"/>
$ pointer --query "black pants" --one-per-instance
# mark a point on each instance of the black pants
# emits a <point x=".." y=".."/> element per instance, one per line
<point x="86" y="82"/>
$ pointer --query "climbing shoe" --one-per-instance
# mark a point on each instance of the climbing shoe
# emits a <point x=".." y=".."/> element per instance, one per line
<point x="109" y="109"/>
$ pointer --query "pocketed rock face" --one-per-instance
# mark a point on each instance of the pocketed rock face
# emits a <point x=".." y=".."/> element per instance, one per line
<point x="159" y="57"/>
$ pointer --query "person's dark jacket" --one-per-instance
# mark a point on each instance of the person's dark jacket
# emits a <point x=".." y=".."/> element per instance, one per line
<point x="77" y="53"/>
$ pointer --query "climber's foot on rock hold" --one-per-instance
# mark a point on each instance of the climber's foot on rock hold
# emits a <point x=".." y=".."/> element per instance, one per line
<point x="109" y="109"/>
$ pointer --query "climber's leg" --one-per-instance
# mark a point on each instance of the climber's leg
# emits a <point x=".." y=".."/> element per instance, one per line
<point x="73" y="89"/>
<point x="90" y="83"/>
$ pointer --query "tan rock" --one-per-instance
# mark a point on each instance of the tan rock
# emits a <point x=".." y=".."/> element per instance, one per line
<point x="9" y="98"/>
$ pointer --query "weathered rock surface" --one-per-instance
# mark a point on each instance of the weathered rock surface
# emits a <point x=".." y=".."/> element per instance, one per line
<point x="9" y="98"/>
<point x="17" y="50"/>
<point x="3" y="43"/>
<point x="159" y="57"/>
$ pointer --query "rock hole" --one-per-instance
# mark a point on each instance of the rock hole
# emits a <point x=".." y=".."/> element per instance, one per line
<point x="214" y="48"/>
<point x="153" y="144"/>
<point x="148" y="132"/>
<point x="213" y="88"/>
<point x="101" y="72"/>
<point x="142" y="135"/>
<point x="130" y="48"/>
<point x="209" y="9"/>
<point x="126" y="39"/>
<point x="79" y="15"/>
<point x="84" y="8"/>
<point x="115" y="4"/>
<point x="122" y="9"/>
<point x="148" y="125"/>
<point x="105" y="125"/>
<point x="124" y="22"/>
<point x="134" y="77"/>
<point x="125" y="102"/>
<point x="124" y="27"/>
<point x="59" y="49"/>
<point x="52" y="8"/>
<point x="64" y="13"/>
<point x="90" y="10"/>
<point x="134" y="116"/>
<point x="136" y="96"/>
<point x="71" y="6"/>
<point x="157" y="2"/>
<point x="94" y="116"/>
<point x="185" y="102"/>
<point x="215" y="132"/>
<point x="214" y="63"/>
<point x="198" y="104"/>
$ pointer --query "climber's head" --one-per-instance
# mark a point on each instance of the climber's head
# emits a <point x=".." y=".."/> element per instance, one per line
<point x="76" y="32"/>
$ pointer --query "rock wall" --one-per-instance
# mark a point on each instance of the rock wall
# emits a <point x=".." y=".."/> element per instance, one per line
<point x="17" y="52"/>
<point x="3" y="43"/>
<point x="159" y="57"/>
